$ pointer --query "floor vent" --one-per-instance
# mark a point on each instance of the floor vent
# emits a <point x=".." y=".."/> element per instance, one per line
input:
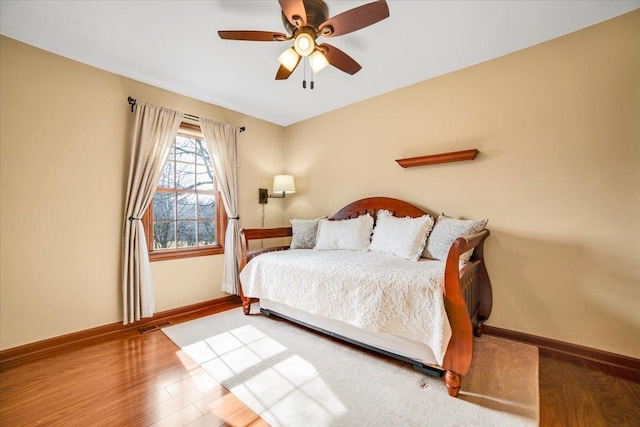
<point x="154" y="327"/>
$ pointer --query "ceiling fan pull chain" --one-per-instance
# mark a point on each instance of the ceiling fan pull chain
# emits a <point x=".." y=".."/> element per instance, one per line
<point x="304" y="71"/>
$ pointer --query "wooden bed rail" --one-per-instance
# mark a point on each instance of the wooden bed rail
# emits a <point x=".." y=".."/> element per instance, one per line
<point x="266" y="233"/>
<point x="457" y="359"/>
<point x="248" y="234"/>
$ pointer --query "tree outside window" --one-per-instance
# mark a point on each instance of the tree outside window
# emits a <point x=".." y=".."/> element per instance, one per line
<point x="185" y="217"/>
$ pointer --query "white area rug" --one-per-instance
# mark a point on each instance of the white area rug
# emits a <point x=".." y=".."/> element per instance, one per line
<point x="293" y="377"/>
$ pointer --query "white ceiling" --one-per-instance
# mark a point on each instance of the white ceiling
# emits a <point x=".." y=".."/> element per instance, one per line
<point x="174" y="44"/>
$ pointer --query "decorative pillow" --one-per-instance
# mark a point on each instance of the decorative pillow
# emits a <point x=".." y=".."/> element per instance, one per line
<point x="403" y="237"/>
<point x="446" y="231"/>
<point x="304" y="233"/>
<point x="350" y="234"/>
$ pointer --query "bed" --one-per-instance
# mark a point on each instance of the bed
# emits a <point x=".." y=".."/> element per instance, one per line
<point x="329" y="292"/>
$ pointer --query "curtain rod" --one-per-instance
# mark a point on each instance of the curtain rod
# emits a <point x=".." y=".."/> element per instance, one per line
<point x="132" y="103"/>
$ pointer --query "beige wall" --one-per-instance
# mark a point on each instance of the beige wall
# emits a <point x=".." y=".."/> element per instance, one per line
<point x="558" y="175"/>
<point x="64" y="162"/>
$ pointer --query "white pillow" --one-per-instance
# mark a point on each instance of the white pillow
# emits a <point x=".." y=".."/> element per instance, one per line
<point x="403" y="237"/>
<point x="304" y="233"/>
<point x="446" y="231"/>
<point x="350" y="234"/>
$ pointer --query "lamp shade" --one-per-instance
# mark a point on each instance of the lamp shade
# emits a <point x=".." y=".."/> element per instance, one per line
<point x="318" y="61"/>
<point x="289" y="59"/>
<point x="284" y="183"/>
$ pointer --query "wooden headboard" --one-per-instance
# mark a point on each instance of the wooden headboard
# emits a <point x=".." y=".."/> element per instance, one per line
<point x="372" y="205"/>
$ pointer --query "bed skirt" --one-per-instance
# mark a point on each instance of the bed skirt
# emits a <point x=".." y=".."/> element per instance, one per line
<point x="392" y="345"/>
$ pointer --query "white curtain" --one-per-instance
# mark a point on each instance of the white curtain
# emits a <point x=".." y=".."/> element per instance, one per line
<point x="222" y="143"/>
<point x="154" y="130"/>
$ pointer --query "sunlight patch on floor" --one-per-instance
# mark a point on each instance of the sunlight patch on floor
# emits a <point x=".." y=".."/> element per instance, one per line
<point x="284" y="387"/>
<point x="291" y="389"/>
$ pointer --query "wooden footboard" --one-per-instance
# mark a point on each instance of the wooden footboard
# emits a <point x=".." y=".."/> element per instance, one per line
<point x="468" y="301"/>
<point x="468" y="295"/>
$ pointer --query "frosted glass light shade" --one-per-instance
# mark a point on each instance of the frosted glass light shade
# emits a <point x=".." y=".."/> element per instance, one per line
<point x="284" y="183"/>
<point x="304" y="44"/>
<point x="289" y="59"/>
<point x="318" y="61"/>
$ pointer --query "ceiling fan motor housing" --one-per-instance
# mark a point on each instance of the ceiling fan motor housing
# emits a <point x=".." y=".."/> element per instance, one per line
<point x="317" y="13"/>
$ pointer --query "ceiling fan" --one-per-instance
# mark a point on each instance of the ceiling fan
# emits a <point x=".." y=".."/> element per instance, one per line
<point x="305" y="21"/>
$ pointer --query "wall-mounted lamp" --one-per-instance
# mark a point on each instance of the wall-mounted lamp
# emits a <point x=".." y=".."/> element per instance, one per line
<point x="282" y="185"/>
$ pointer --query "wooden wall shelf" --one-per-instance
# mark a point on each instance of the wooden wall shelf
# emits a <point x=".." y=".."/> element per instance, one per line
<point x="454" y="156"/>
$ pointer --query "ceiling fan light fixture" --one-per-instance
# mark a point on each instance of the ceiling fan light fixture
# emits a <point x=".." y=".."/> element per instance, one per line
<point x="318" y="61"/>
<point x="289" y="59"/>
<point x="304" y="44"/>
<point x="305" y="21"/>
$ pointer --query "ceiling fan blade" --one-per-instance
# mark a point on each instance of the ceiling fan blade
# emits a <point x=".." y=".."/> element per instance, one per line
<point x="284" y="73"/>
<point x="250" y="35"/>
<point x="355" y="19"/>
<point x="294" y="11"/>
<point x="339" y="59"/>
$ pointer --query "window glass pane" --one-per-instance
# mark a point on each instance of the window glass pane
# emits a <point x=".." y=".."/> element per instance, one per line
<point x="185" y="176"/>
<point x="204" y="177"/>
<point x="172" y="152"/>
<point x="166" y="179"/>
<point x="206" y="206"/>
<point x="164" y="234"/>
<point x="187" y="206"/>
<point x="185" y="149"/>
<point x="186" y="234"/>
<point x="206" y="233"/>
<point x="202" y="154"/>
<point x="164" y="206"/>
<point x="187" y="216"/>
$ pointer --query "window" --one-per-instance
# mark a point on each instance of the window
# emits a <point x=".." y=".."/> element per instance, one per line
<point x="186" y="217"/>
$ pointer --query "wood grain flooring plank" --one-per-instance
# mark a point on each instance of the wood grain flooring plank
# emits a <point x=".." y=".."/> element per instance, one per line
<point x="228" y="408"/>
<point x="580" y="392"/>
<point x="181" y="418"/>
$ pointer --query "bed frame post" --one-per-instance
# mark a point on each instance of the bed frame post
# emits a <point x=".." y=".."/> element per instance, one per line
<point x="453" y="381"/>
<point x="457" y="359"/>
<point x="244" y="245"/>
<point x="485" y="291"/>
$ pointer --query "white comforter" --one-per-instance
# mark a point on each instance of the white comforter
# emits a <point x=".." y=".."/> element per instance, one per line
<point x="373" y="291"/>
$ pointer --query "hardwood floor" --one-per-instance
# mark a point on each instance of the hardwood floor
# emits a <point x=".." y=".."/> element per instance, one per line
<point x="137" y="379"/>
<point x="126" y="379"/>
<point x="579" y="392"/>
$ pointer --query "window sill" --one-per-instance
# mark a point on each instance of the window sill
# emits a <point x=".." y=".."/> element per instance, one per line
<point x="185" y="253"/>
